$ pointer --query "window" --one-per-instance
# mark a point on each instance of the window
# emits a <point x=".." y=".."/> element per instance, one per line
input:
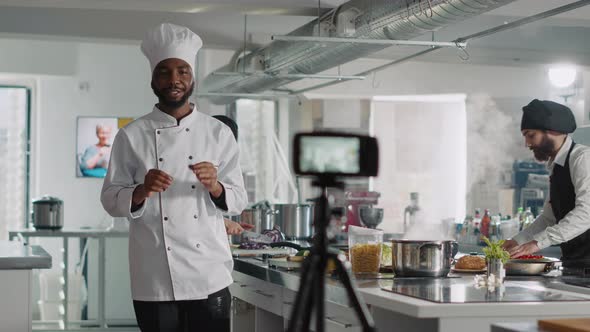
<point x="14" y="164"/>
<point x="264" y="163"/>
<point x="423" y="149"/>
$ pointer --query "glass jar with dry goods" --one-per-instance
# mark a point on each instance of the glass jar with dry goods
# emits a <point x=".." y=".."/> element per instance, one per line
<point x="365" y="247"/>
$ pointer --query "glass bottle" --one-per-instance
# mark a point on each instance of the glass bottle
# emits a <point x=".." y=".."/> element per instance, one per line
<point x="485" y="223"/>
<point x="529" y="218"/>
<point x="520" y="217"/>
<point x="494" y="233"/>
<point x="410" y="211"/>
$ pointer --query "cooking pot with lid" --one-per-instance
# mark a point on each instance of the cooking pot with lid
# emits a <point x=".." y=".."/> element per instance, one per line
<point x="294" y="220"/>
<point x="47" y="213"/>
<point x="412" y="258"/>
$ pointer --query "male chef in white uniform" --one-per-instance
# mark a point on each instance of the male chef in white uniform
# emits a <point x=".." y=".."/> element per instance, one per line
<point x="172" y="173"/>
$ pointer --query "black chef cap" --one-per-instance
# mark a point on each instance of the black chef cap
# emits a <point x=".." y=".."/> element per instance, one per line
<point x="230" y="123"/>
<point x="547" y="115"/>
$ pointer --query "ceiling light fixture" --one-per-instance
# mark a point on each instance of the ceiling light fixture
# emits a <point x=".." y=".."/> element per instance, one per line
<point x="562" y="76"/>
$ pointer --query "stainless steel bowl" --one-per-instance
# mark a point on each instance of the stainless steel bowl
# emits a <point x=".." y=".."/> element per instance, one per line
<point x="413" y="258"/>
<point x="520" y="267"/>
<point x="371" y="216"/>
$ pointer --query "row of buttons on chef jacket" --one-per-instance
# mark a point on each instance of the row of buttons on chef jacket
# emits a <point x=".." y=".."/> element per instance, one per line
<point x="162" y="159"/>
<point x="195" y="216"/>
<point x="158" y="132"/>
<point x="189" y="157"/>
<point x="192" y="186"/>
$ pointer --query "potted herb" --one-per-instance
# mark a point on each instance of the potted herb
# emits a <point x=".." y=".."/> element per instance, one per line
<point x="496" y="257"/>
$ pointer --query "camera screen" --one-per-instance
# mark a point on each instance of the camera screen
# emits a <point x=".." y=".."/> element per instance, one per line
<point x="321" y="154"/>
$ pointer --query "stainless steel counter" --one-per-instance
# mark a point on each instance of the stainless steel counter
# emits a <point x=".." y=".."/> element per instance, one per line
<point x="462" y="290"/>
<point x="459" y="289"/>
<point x="290" y="279"/>
<point x="17" y="256"/>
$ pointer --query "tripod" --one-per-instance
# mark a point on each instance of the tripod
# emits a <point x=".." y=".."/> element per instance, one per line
<point x="311" y="287"/>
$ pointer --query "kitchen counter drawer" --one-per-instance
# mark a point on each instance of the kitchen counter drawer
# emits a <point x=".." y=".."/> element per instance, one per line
<point x="261" y="294"/>
<point x="338" y="318"/>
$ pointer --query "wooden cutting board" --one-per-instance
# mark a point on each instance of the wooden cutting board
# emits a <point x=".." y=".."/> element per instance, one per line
<point x="566" y="325"/>
<point x="258" y="252"/>
<point x="284" y="263"/>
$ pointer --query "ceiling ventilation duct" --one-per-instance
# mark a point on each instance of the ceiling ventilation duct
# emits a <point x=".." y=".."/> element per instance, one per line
<point x="375" y="19"/>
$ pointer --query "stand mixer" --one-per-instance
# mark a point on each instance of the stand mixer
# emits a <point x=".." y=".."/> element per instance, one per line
<point x="355" y="200"/>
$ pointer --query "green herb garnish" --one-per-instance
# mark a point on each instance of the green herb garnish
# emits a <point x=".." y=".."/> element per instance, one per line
<point x="494" y="250"/>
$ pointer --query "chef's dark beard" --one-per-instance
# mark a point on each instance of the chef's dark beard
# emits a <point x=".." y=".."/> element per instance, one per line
<point x="172" y="103"/>
<point x="544" y="150"/>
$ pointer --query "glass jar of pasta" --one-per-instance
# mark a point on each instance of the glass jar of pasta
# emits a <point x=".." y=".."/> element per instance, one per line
<point x="364" y="247"/>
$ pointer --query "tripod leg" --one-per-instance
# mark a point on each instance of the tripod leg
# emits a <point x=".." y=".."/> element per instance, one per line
<point x="319" y="296"/>
<point x="301" y="313"/>
<point x="359" y="307"/>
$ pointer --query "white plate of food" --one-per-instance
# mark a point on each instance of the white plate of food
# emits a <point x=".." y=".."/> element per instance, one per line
<point x="470" y="264"/>
<point x="468" y="270"/>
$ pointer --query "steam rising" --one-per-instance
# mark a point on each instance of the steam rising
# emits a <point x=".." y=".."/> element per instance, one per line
<point x="492" y="143"/>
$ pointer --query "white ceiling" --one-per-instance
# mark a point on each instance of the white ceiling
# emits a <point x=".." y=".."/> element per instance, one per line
<point x="220" y="23"/>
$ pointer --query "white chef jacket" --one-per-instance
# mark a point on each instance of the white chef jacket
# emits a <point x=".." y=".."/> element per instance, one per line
<point x="545" y="229"/>
<point x="178" y="247"/>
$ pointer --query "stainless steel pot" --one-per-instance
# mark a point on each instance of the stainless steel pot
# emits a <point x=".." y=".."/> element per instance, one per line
<point x="412" y="258"/>
<point x="261" y="217"/>
<point x="294" y="220"/>
<point x="47" y="213"/>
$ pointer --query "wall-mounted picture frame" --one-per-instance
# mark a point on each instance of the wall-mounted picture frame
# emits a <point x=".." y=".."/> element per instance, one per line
<point x="94" y="139"/>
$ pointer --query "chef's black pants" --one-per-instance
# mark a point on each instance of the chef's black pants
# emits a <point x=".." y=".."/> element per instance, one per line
<point x="211" y="314"/>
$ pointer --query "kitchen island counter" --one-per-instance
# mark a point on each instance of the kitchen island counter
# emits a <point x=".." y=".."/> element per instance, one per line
<point x="16" y="263"/>
<point x="16" y="256"/>
<point x="540" y="299"/>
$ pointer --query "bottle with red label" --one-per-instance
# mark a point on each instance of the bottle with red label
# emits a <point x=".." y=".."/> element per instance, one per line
<point x="485" y="223"/>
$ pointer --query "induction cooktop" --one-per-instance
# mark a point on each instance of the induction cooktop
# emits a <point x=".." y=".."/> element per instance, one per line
<point x="465" y="291"/>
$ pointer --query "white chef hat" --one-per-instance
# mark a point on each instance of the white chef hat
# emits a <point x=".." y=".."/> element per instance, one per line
<point x="171" y="41"/>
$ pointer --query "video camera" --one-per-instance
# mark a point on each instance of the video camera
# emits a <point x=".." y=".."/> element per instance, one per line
<point x="329" y="155"/>
<point x="332" y="154"/>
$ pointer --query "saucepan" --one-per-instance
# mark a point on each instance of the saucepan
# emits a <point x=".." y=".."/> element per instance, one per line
<point x="413" y="258"/>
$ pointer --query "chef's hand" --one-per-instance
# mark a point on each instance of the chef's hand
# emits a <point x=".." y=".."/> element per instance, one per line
<point x="206" y="173"/>
<point x="509" y="244"/>
<point x="246" y="226"/>
<point x="232" y="227"/>
<point x="528" y="248"/>
<point x="155" y="181"/>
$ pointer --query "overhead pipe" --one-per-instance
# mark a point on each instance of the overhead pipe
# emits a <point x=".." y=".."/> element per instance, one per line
<point x="375" y="19"/>
<point x="477" y="35"/>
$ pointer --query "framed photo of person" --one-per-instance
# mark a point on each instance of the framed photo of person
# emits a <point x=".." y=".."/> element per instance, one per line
<point x="94" y="138"/>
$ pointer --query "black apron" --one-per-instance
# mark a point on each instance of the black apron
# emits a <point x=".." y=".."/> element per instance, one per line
<point x="563" y="200"/>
